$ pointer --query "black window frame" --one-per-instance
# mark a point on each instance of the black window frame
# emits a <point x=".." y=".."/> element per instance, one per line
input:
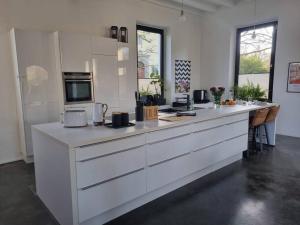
<point x="273" y="53"/>
<point x="162" y="48"/>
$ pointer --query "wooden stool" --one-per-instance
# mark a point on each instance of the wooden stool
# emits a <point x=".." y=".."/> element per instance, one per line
<point x="271" y="117"/>
<point x="256" y="122"/>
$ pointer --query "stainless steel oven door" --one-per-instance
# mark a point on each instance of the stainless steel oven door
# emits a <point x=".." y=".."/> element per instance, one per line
<point x="78" y="91"/>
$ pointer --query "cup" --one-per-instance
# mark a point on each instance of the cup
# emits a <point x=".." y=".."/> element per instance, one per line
<point x="125" y="118"/>
<point x="116" y="119"/>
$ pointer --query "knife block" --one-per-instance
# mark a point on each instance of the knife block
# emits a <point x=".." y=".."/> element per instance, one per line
<point x="151" y="112"/>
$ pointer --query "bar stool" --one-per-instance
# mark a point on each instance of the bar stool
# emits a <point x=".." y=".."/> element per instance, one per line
<point x="271" y="117"/>
<point x="256" y="122"/>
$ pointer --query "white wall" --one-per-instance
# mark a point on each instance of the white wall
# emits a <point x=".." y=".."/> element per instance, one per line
<point x="90" y="16"/>
<point x="218" y="46"/>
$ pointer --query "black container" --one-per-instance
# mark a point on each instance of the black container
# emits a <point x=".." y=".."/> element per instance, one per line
<point x="114" y="32"/>
<point x="139" y="111"/>
<point x="125" y="118"/>
<point x="123" y="34"/>
<point x="116" y="119"/>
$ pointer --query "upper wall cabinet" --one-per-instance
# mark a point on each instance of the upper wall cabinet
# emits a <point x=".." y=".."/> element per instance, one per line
<point x="76" y="53"/>
<point x="104" y="46"/>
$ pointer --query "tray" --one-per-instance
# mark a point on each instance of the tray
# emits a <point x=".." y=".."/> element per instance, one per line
<point x="110" y="125"/>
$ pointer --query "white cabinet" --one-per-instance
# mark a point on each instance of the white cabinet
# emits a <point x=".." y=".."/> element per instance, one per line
<point x="104" y="168"/>
<point x="106" y="79"/>
<point x="36" y="82"/>
<point x="106" y="196"/>
<point x="104" y="46"/>
<point x="76" y="54"/>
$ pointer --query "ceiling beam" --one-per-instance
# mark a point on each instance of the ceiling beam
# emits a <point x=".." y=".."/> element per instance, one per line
<point x="189" y="5"/>
<point x="198" y="5"/>
<point x="228" y="3"/>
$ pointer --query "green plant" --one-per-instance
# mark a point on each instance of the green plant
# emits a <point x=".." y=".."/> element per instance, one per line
<point x="145" y="92"/>
<point x="156" y="82"/>
<point x="249" y="92"/>
<point x="253" y="64"/>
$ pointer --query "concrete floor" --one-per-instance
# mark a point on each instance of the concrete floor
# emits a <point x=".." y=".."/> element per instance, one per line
<point x="264" y="190"/>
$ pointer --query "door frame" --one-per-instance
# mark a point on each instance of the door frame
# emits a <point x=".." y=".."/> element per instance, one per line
<point x="273" y="53"/>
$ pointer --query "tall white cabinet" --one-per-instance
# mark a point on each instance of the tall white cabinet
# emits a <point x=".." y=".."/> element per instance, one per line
<point x="36" y="82"/>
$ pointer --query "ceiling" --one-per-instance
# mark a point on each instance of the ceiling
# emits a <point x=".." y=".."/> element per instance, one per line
<point x="196" y="6"/>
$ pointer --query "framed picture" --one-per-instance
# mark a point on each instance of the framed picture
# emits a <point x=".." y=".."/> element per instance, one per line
<point x="293" y="84"/>
<point x="182" y="76"/>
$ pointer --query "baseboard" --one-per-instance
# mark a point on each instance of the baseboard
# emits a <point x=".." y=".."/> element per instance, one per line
<point x="11" y="160"/>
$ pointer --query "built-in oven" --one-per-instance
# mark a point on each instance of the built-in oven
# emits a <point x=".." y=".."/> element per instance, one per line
<point x="78" y="87"/>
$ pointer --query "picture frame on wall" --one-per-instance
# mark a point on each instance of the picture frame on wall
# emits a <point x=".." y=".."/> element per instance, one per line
<point x="293" y="82"/>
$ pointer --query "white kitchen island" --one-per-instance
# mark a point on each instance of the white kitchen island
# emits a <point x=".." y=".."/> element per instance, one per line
<point x="88" y="176"/>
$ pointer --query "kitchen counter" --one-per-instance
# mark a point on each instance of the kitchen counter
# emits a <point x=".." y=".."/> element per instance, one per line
<point x="91" y="175"/>
<point x="74" y="137"/>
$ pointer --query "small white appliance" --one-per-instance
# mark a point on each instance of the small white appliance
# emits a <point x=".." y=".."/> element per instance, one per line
<point x="99" y="110"/>
<point x="75" y="118"/>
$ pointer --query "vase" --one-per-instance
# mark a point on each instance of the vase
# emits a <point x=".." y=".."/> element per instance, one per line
<point x="217" y="100"/>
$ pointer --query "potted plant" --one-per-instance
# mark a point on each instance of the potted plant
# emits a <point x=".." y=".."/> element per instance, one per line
<point x="158" y="84"/>
<point x="217" y="92"/>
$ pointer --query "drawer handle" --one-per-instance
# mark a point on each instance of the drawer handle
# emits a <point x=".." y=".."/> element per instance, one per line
<point x="155" y="164"/>
<point x="102" y="182"/>
<point x="167" y="139"/>
<point x="109" y="154"/>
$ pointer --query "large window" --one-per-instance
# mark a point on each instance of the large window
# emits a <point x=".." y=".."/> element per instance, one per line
<point x="255" y="57"/>
<point x="150" y="60"/>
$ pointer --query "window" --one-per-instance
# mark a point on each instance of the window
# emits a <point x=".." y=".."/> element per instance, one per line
<point x="150" y="60"/>
<point x="255" y="57"/>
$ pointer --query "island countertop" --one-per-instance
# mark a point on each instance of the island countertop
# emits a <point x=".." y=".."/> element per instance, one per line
<point x="76" y="137"/>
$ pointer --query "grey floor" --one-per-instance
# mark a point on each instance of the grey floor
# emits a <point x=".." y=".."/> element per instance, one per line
<point x="264" y="190"/>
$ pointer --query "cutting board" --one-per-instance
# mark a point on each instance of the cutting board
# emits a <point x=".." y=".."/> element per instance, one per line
<point x="176" y="118"/>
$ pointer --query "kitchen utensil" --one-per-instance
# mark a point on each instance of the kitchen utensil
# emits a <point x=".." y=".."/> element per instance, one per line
<point x="99" y="111"/>
<point x="75" y="118"/>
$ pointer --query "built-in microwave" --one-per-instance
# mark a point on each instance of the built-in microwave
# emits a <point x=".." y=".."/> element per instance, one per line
<point x="78" y="87"/>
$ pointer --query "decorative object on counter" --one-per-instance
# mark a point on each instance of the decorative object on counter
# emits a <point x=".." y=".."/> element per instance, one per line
<point x="99" y="111"/>
<point x="119" y="120"/>
<point x="158" y="83"/>
<point x="139" y="111"/>
<point x="123" y="34"/>
<point x="249" y="92"/>
<point x="114" y="32"/>
<point x="293" y="84"/>
<point x="217" y="92"/>
<point x="151" y="112"/>
<point x="75" y="118"/>
<point x="182" y="76"/>
<point x="229" y="102"/>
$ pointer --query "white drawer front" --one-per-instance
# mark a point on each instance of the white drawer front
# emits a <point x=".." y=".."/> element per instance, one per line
<point x="168" y="133"/>
<point x="207" y="138"/>
<point x="235" y="118"/>
<point x="169" y="171"/>
<point x="161" y="151"/>
<point x="208" y="124"/>
<point x="96" y="150"/>
<point x="236" y="129"/>
<point x="216" y="153"/>
<point x="104" y="168"/>
<point x="101" y="198"/>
